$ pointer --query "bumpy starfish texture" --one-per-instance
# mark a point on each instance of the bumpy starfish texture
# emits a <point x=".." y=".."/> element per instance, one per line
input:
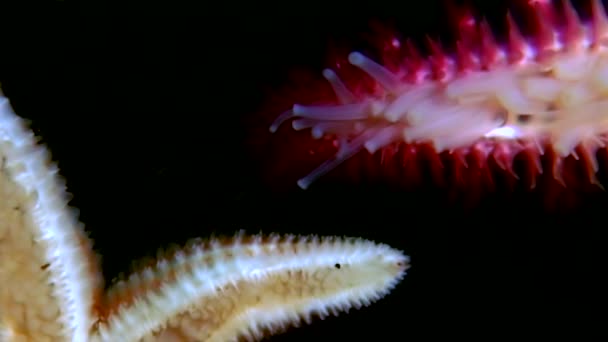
<point x="218" y="290"/>
<point x="540" y="95"/>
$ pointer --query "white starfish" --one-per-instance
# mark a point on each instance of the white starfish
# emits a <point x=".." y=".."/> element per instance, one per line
<point x="51" y="288"/>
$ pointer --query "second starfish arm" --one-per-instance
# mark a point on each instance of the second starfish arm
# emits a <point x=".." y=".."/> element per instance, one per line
<point x="223" y="290"/>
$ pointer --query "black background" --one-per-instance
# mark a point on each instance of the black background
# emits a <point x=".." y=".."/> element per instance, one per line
<point x="144" y="116"/>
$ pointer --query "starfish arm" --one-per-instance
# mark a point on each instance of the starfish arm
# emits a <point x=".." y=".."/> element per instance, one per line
<point x="244" y="287"/>
<point x="49" y="274"/>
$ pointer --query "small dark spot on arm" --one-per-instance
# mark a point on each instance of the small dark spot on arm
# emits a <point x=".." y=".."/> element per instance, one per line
<point x="524" y="118"/>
